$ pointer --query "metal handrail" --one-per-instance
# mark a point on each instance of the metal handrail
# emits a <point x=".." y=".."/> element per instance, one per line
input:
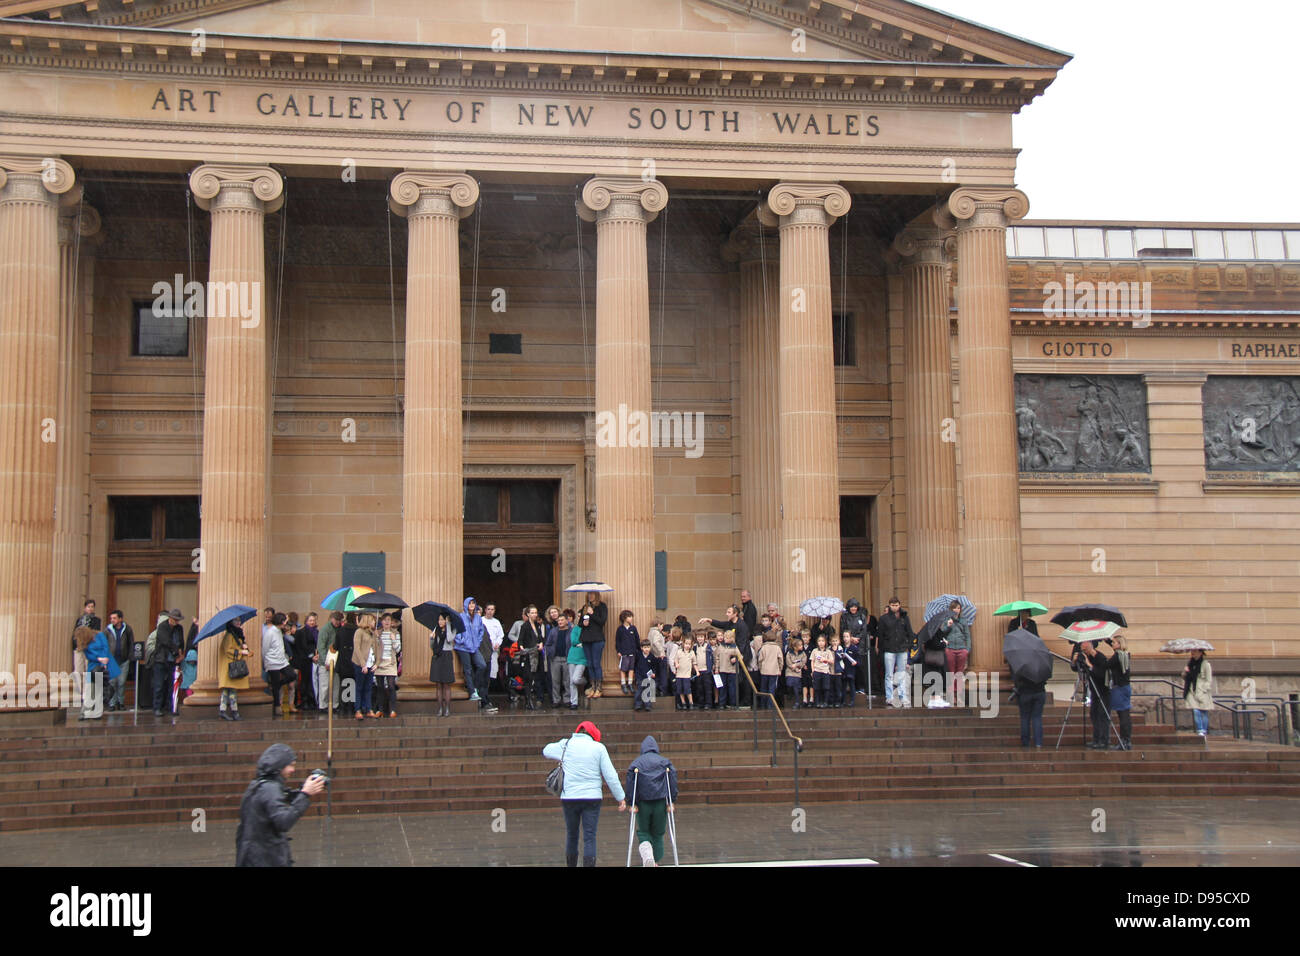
<point x="1236" y="706"/>
<point x="777" y="713"/>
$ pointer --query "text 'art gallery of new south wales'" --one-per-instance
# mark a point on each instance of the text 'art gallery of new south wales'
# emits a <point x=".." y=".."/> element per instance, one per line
<point x="488" y="297"/>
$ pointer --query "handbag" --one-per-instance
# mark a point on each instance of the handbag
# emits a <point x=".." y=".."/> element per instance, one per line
<point x="555" y="779"/>
<point x="237" y="670"/>
<point x="935" y="658"/>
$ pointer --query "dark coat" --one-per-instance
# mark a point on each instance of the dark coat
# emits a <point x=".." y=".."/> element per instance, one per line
<point x="268" y="812"/>
<point x="643" y="666"/>
<point x="168" y="643"/>
<point x="657" y="779"/>
<point x="627" y="640"/>
<point x="895" y="632"/>
<point x="595" y="630"/>
<point x="121" y="648"/>
<point x="344" y="638"/>
<point x="1029" y="625"/>
<point x="749" y="614"/>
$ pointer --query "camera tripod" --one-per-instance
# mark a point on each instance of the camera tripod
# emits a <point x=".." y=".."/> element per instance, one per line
<point x="1085" y="673"/>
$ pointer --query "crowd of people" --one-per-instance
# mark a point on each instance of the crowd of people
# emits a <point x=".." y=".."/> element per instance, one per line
<point x="555" y="657"/>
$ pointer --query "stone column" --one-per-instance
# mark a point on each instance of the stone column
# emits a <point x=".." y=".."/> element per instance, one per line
<point x="933" y="547"/>
<point x="71" y="517"/>
<point x="433" y="486"/>
<point x="236" y="412"/>
<point x="990" y="461"/>
<point x="31" y="190"/>
<point x="621" y="209"/>
<point x="810" y="558"/>
<point x="758" y="256"/>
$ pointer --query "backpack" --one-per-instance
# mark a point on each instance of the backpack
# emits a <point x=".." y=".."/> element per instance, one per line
<point x="151" y="647"/>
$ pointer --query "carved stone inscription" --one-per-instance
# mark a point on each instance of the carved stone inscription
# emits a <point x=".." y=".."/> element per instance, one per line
<point x="1252" y="423"/>
<point x="1082" y="423"/>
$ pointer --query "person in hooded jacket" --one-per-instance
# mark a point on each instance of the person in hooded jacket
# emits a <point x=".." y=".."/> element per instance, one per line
<point x="586" y="762"/>
<point x="652" y="784"/>
<point x="472" y="664"/>
<point x="858" y="622"/>
<point x="269" y="809"/>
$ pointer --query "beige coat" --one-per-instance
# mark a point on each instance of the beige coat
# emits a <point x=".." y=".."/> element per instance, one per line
<point x="769" y="659"/>
<point x="362" y="644"/>
<point x="1202" y="697"/>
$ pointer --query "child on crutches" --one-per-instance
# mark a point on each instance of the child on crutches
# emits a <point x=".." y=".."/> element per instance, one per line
<point x="652" y="781"/>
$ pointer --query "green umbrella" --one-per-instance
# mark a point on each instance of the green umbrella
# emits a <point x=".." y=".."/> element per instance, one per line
<point x="1015" y="607"/>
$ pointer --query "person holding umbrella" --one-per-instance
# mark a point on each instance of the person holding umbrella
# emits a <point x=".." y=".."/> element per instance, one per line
<point x="1088" y="661"/>
<point x="1031" y="667"/>
<point x="233" y="649"/>
<point x="1198" y="690"/>
<point x="442" y="668"/>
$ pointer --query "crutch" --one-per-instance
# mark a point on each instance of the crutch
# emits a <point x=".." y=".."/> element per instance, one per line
<point x="631" y="822"/>
<point x="672" y="819"/>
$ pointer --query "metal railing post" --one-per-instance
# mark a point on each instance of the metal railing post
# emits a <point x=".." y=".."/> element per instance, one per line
<point x="796" y="775"/>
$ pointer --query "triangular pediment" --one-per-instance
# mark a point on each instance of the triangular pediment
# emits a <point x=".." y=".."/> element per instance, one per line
<point x="879" y="30"/>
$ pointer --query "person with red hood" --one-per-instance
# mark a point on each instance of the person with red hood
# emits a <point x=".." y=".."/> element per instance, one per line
<point x="585" y="761"/>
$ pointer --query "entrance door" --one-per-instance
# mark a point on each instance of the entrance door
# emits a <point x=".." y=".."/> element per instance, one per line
<point x="512" y="541"/>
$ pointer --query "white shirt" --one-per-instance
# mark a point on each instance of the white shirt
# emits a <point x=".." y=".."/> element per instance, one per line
<point x="496" y="634"/>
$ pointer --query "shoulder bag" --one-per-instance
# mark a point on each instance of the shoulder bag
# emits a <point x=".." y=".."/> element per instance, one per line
<point x="555" y="779"/>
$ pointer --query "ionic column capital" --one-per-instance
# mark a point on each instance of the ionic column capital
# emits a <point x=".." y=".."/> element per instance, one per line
<point x="987" y="206"/>
<point x="921" y="246"/>
<point x="256" y="188"/>
<point x="78" y="220"/>
<point x="41" y="178"/>
<point x="748" y="244"/>
<point x="429" y="192"/>
<point x="606" y="198"/>
<point x="797" y="203"/>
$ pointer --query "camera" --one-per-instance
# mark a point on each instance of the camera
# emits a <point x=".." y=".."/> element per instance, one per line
<point x="319" y="773"/>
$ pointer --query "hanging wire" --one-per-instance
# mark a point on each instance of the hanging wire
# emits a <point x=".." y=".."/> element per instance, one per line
<point x="279" y="298"/>
<point x="663" y="274"/>
<point x="473" y="313"/>
<point x="392" y="316"/>
<point x="194" y="348"/>
<point x="582" y="299"/>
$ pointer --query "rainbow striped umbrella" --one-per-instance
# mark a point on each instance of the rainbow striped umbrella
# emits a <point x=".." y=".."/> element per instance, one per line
<point x="341" y="600"/>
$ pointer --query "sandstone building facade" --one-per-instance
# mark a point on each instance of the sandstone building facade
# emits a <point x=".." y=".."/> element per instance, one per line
<point x="387" y="289"/>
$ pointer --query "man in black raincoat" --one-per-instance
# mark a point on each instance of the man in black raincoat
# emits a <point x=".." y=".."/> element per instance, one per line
<point x="269" y="810"/>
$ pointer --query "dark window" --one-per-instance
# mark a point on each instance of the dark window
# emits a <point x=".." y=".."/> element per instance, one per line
<point x="532" y="502"/>
<point x="159" y="332"/>
<point x="501" y="343"/>
<point x="855" y="520"/>
<point x="133" y="519"/>
<point x="181" y="519"/>
<point x="481" y="499"/>
<point x="843" y="333"/>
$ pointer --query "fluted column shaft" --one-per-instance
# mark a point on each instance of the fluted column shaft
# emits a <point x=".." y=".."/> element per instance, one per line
<point x="236" y="413"/>
<point x="30" y="191"/>
<point x="933" y="546"/>
<point x="71" y="520"/>
<point x="760" y="424"/>
<point x="621" y="210"/>
<point x="433" y="491"/>
<point x="990" y="466"/>
<point x="809" y="447"/>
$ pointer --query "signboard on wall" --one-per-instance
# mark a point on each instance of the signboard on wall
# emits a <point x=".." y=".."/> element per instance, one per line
<point x="363" y="569"/>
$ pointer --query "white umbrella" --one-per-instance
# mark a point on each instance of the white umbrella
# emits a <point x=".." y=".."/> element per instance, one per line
<point x="1181" y="645"/>
<point x="582" y="587"/>
<point x="821" y="607"/>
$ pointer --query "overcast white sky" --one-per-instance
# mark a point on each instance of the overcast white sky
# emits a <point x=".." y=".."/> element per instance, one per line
<point x="1170" y="109"/>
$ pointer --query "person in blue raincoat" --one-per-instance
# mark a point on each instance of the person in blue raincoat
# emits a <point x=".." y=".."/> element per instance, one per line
<point x="99" y="658"/>
<point x="471" y="658"/>
<point x="652" y="792"/>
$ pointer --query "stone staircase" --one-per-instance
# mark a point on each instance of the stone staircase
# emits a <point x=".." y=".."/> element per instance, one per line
<point x="110" y="772"/>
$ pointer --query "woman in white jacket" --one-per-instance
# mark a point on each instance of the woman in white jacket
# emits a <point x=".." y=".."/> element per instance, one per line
<point x="585" y="762"/>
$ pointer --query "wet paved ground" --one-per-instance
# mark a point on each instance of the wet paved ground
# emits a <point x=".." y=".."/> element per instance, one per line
<point x="1214" y="832"/>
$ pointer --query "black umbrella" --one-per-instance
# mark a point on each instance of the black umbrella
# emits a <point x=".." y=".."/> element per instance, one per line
<point x="1027" y="655"/>
<point x="427" y="614"/>
<point x="932" y="627"/>
<point x="380" y="600"/>
<point x="1089" y="612"/>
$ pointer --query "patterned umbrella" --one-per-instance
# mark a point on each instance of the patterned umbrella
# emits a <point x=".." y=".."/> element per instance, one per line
<point x="821" y="607"/>
<point x="1181" y="645"/>
<point x="1081" y="631"/>
<point x="341" y="600"/>
<point x="583" y="587"/>
<point x="944" y="601"/>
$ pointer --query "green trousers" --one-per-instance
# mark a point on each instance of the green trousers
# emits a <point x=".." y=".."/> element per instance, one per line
<point x="651" y="821"/>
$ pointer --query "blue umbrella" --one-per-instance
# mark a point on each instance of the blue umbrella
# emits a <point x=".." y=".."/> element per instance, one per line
<point x="235" y="614"/>
<point x="944" y="601"/>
